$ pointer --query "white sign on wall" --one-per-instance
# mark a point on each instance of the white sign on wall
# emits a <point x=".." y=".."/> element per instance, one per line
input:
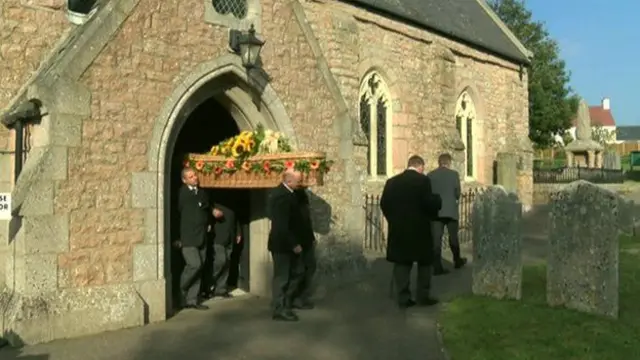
<point x="5" y="206"/>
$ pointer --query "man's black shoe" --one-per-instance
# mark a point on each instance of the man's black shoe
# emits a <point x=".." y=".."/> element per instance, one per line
<point x="428" y="302"/>
<point x="460" y="263"/>
<point x="285" y="316"/>
<point x="406" y="304"/>
<point x="303" y="305"/>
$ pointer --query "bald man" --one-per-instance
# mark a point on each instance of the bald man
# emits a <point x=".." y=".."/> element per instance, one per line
<point x="285" y="244"/>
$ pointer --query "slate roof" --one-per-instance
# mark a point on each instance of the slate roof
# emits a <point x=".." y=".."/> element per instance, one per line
<point x="463" y="20"/>
<point x="628" y="133"/>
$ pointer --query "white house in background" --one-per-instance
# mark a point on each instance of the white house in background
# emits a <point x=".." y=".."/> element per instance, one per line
<point x="600" y="115"/>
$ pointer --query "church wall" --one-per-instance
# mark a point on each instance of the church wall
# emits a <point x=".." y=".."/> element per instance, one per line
<point x="416" y="63"/>
<point x="129" y="83"/>
<point x="28" y="31"/>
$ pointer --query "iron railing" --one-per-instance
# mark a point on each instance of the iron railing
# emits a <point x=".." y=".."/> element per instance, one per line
<point x="563" y="175"/>
<point x="376" y="226"/>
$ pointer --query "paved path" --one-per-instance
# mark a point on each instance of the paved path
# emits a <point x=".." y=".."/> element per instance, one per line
<point x="357" y="323"/>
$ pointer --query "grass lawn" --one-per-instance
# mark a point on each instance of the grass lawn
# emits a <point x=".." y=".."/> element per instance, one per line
<point x="479" y="328"/>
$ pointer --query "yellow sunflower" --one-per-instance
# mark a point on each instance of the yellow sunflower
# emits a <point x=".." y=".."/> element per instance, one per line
<point x="239" y="148"/>
<point x="250" y="144"/>
<point x="246" y="135"/>
<point x="215" y="150"/>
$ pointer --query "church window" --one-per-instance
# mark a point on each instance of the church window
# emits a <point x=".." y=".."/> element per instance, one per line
<point x="237" y="8"/>
<point x="375" y="121"/>
<point x="465" y="124"/>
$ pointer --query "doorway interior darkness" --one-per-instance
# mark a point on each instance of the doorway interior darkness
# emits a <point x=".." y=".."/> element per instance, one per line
<point x="207" y="125"/>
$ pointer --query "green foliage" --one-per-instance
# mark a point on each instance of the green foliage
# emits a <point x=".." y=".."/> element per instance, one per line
<point x="552" y="104"/>
<point x="601" y="135"/>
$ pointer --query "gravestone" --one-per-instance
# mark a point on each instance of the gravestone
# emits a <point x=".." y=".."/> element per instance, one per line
<point x="497" y="244"/>
<point x="612" y="160"/>
<point x="582" y="266"/>
<point x="507" y="171"/>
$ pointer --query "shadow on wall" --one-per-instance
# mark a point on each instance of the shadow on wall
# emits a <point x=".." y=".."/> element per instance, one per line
<point x="321" y="214"/>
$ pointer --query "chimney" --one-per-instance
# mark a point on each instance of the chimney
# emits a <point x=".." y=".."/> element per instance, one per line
<point x="606" y="104"/>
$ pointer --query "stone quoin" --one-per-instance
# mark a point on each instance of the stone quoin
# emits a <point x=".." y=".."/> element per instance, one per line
<point x="89" y="249"/>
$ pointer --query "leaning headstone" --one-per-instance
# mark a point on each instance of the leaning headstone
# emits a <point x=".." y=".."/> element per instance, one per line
<point x="611" y="160"/>
<point x="497" y="244"/>
<point x="582" y="266"/>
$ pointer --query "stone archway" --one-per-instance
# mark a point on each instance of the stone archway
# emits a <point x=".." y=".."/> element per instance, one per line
<point x="250" y="100"/>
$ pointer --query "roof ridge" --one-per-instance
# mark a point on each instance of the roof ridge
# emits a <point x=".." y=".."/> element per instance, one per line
<point x="505" y="29"/>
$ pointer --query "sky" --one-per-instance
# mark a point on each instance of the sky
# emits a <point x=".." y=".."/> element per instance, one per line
<point x="600" y="42"/>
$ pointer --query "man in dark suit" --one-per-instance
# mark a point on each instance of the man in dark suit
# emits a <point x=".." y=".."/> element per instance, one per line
<point x="285" y="244"/>
<point x="446" y="183"/>
<point x="409" y="205"/>
<point x="302" y="297"/>
<point x="226" y="233"/>
<point x="195" y="212"/>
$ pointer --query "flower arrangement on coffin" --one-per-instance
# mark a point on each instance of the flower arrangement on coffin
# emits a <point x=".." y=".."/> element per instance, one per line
<point x="255" y="159"/>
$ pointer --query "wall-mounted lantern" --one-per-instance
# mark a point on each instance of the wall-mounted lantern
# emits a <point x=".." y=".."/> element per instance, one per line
<point x="247" y="45"/>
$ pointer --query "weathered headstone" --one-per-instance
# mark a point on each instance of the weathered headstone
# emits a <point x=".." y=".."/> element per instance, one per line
<point x="612" y="160"/>
<point x="497" y="244"/>
<point x="582" y="266"/>
<point x="507" y="169"/>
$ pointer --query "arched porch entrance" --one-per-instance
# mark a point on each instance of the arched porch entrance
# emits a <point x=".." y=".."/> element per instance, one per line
<point x="220" y="98"/>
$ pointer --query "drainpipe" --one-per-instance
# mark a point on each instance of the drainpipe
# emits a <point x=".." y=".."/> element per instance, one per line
<point x="16" y="120"/>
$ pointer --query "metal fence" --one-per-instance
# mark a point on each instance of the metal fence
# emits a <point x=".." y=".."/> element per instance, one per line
<point x="564" y="175"/>
<point x="376" y="226"/>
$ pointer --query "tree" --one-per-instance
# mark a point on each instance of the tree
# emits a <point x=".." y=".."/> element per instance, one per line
<point x="601" y="135"/>
<point x="552" y="103"/>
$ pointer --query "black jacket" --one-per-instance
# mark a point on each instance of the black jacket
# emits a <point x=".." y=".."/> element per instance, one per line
<point x="195" y="216"/>
<point x="409" y="206"/>
<point x="226" y="228"/>
<point x="287" y="229"/>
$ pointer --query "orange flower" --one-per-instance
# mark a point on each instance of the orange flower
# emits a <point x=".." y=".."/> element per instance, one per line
<point x="314" y="165"/>
<point x="230" y="164"/>
<point x="289" y="164"/>
<point x="186" y="163"/>
<point x="266" y="166"/>
<point x="199" y="165"/>
<point x="246" y="166"/>
<point x="218" y="170"/>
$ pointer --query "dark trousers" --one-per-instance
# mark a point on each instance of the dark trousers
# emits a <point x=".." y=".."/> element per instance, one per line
<point x="220" y="268"/>
<point x="288" y="272"/>
<point x="306" y="287"/>
<point x="192" y="273"/>
<point x="402" y="280"/>
<point x="437" y="230"/>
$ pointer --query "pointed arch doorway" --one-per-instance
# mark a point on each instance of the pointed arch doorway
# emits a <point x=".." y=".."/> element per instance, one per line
<point x="214" y="102"/>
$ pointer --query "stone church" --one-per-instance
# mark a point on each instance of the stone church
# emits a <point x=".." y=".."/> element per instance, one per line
<point x="100" y="102"/>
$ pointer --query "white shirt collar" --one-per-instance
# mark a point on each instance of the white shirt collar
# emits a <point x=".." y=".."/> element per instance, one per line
<point x="287" y="186"/>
